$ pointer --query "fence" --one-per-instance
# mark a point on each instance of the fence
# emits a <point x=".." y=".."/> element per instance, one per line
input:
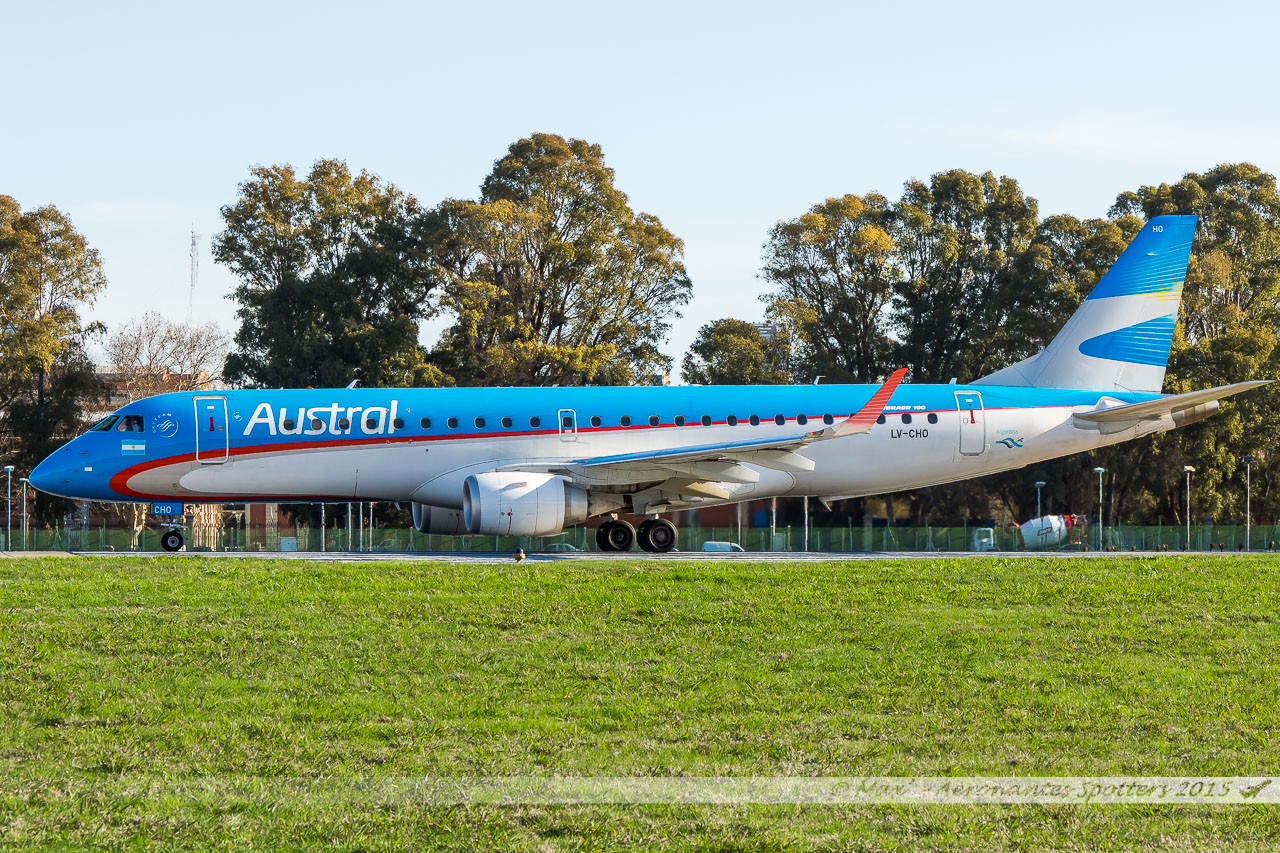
<point x="848" y="539"/>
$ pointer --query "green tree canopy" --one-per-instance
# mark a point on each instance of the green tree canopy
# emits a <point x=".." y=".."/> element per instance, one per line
<point x="960" y="306"/>
<point x="551" y="277"/>
<point x="334" y="280"/>
<point x="48" y="272"/>
<point x="735" y="352"/>
<point x="834" y="270"/>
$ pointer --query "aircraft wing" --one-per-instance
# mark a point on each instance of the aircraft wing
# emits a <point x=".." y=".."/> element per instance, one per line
<point x="723" y="462"/>
<point x="1157" y="409"/>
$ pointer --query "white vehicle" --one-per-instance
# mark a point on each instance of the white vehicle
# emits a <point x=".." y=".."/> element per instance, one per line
<point x="722" y="546"/>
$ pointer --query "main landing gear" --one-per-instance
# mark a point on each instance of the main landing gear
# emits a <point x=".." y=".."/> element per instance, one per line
<point x="656" y="535"/>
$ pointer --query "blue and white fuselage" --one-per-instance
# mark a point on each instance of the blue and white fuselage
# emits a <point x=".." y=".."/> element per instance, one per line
<point x="533" y="460"/>
<point x="372" y="444"/>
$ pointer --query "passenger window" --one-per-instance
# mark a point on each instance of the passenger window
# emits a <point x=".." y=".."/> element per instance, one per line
<point x="316" y="423"/>
<point x="130" y="423"/>
<point x="732" y="420"/>
<point x="880" y="419"/>
<point x="802" y="419"/>
<point x="479" y="423"/>
<point x="779" y="420"/>
<point x="453" y="423"/>
<point x="595" y="420"/>
<point x="626" y="420"/>
<point x="906" y="419"/>
<point x="426" y="423"/>
<point x="398" y="423"/>
<point x="679" y="420"/>
<point x="706" y="420"/>
<point x="343" y="423"/>
<point x="755" y="420"/>
<point x="567" y="421"/>
<point x="653" y="420"/>
<point x="287" y="425"/>
<point x="535" y="421"/>
<point x="506" y="423"/>
<point x="370" y="423"/>
<point x="105" y="424"/>
<point x="827" y="419"/>
<point x="933" y="419"/>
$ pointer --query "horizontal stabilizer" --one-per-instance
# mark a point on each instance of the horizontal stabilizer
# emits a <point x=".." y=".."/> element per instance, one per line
<point x="1157" y="409"/>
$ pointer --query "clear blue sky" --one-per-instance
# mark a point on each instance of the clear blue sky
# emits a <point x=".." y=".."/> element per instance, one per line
<point x="141" y="119"/>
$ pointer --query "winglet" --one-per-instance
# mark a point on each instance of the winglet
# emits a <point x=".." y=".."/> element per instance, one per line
<point x="862" y="420"/>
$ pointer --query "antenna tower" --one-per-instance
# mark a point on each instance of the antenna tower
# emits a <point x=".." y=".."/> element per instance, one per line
<point x="195" y="273"/>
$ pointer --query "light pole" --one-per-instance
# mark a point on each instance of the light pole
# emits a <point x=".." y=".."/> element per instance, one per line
<point x="8" y="512"/>
<point x="1189" y="469"/>
<point x="1040" y="484"/>
<point x="1100" y="472"/>
<point x="1248" y="495"/>
<point x="24" y="481"/>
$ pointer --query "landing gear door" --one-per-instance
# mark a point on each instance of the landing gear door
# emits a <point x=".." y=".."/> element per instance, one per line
<point x="212" y="438"/>
<point x="973" y="426"/>
<point x="568" y="424"/>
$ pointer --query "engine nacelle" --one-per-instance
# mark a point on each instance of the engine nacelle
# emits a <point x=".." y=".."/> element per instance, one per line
<point x="513" y="503"/>
<point x="438" y="520"/>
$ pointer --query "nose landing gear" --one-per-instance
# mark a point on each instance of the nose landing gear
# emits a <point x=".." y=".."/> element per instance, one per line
<point x="171" y="540"/>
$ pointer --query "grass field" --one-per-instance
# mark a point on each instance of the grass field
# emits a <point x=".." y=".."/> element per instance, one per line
<point x="114" y="670"/>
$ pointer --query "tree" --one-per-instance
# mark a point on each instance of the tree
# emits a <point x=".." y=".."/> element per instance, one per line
<point x="734" y="352"/>
<point x="960" y="306"/>
<point x="834" y="270"/>
<point x="333" y="280"/>
<point x="1227" y="331"/>
<point x="551" y="277"/>
<point x="153" y="355"/>
<point x="47" y="273"/>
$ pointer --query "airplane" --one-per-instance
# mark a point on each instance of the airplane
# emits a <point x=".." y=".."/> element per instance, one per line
<point x="532" y="461"/>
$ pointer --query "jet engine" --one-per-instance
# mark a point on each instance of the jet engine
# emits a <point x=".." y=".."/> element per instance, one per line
<point x="513" y="503"/>
<point x="435" y="519"/>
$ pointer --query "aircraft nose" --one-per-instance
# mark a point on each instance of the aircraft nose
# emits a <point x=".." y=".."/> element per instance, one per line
<point x="51" y="474"/>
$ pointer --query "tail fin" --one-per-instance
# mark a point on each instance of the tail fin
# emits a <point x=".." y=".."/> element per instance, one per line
<point x="1119" y="338"/>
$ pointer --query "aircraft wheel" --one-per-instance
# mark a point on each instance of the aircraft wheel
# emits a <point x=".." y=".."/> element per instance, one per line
<point x="615" y="535"/>
<point x="171" y="541"/>
<point x="657" y="535"/>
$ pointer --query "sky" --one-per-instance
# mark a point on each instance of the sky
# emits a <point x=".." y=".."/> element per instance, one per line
<point x="141" y="119"/>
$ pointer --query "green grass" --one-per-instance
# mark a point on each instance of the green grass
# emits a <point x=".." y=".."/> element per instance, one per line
<point x="117" y="670"/>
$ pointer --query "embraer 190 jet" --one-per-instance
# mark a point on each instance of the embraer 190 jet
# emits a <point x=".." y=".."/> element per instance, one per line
<point x="531" y="461"/>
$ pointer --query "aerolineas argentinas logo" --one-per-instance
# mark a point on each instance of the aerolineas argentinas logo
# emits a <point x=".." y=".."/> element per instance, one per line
<point x="324" y="420"/>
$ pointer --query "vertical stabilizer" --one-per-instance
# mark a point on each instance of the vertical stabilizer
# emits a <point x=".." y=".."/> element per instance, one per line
<point x="1119" y="338"/>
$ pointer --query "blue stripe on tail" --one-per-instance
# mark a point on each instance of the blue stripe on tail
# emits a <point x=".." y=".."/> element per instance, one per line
<point x="1155" y="263"/>
<point x="1143" y="343"/>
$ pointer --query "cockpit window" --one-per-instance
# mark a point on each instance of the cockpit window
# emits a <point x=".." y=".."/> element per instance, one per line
<point x="105" y="424"/>
<point x="130" y="423"/>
